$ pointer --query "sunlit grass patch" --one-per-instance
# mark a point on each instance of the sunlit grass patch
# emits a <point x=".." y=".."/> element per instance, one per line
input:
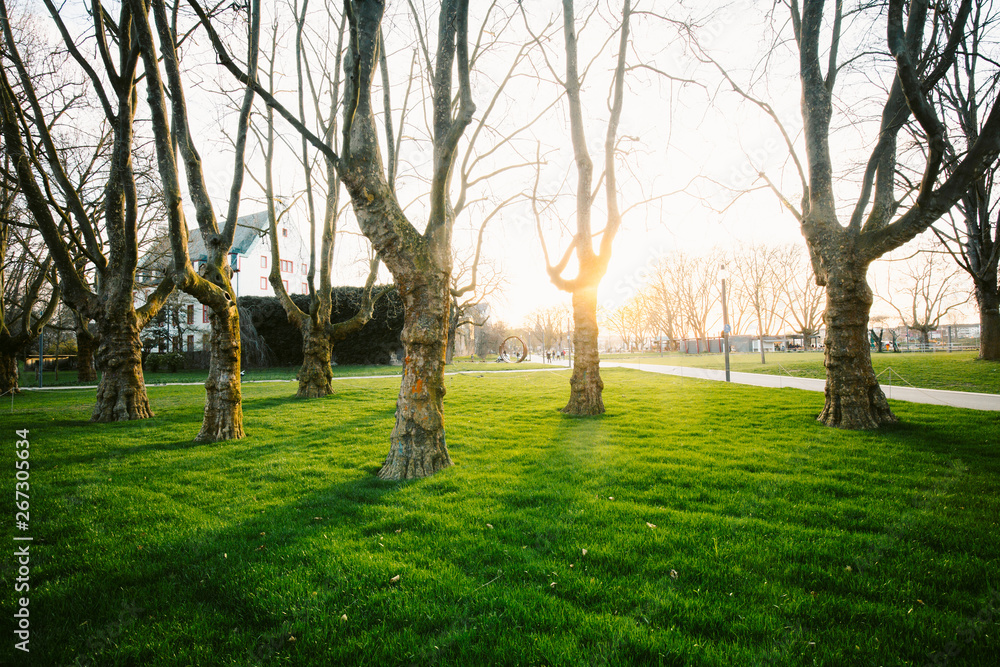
<point x="722" y="526"/>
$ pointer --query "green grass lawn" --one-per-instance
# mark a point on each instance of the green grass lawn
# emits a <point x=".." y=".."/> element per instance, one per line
<point x="68" y="378"/>
<point x="956" y="371"/>
<point x="695" y="523"/>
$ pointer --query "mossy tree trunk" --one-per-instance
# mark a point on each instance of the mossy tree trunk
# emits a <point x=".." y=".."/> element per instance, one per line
<point x="223" y="419"/>
<point x="417" y="444"/>
<point x="854" y="399"/>
<point x="121" y="393"/>
<point x="315" y="376"/>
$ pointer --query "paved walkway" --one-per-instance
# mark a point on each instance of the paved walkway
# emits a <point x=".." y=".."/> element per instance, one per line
<point x="955" y="399"/>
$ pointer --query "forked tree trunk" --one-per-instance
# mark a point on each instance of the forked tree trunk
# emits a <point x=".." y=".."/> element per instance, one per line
<point x="121" y="393"/>
<point x="8" y="373"/>
<point x="85" y="346"/>
<point x="315" y="376"/>
<point x="989" y="323"/>
<point x="223" y="418"/>
<point x="854" y="399"/>
<point x="585" y="384"/>
<point x="417" y="443"/>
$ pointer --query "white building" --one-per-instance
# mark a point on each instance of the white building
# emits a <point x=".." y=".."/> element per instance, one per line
<point x="250" y="257"/>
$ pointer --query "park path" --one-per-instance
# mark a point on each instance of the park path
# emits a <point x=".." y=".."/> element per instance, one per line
<point x="955" y="399"/>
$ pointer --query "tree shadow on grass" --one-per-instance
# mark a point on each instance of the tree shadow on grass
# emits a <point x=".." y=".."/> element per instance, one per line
<point x="212" y="592"/>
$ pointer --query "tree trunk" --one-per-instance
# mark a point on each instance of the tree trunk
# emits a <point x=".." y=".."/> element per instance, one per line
<point x="989" y="323"/>
<point x="8" y="373"/>
<point x="85" y="346"/>
<point x="121" y="393"/>
<point x="417" y="443"/>
<point x="854" y="399"/>
<point x="315" y="376"/>
<point x="585" y="383"/>
<point x="223" y="392"/>
<point x="449" y="353"/>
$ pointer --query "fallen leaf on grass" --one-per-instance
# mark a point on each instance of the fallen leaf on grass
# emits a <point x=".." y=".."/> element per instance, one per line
<point x="394" y="580"/>
<point x="651" y="525"/>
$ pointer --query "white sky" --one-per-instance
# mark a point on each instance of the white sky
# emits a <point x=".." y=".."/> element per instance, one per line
<point x="680" y="132"/>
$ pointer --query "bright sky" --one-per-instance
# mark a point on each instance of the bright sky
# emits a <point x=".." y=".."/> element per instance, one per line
<point x="673" y="132"/>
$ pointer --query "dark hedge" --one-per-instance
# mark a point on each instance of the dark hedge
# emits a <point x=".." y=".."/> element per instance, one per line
<point x="373" y="344"/>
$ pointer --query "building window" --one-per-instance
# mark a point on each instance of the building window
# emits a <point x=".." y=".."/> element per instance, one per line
<point x="190" y="314"/>
<point x="305" y="269"/>
<point x="286" y="284"/>
<point x="190" y="343"/>
<point x="204" y="314"/>
<point x="263" y="261"/>
<point x="305" y="288"/>
<point x="263" y="283"/>
<point x="287" y="266"/>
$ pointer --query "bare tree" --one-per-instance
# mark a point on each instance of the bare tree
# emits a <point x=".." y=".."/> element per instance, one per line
<point x="420" y="262"/>
<point x="72" y="230"/>
<point x="888" y="211"/>
<point x="756" y="284"/>
<point x="29" y="291"/>
<point x="223" y="417"/>
<point x="973" y="235"/>
<point x="319" y="334"/>
<point x="473" y="283"/>
<point x="929" y="288"/>
<point x="801" y="295"/>
<point x="586" y="385"/>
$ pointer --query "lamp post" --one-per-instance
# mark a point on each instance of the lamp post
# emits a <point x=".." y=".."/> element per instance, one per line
<point x="723" y="274"/>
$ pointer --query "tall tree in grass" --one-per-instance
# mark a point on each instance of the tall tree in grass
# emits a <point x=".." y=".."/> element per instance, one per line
<point x="319" y="334"/>
<point x="71" y="229"/>
<point x="887" y="211"/>
<point x="420" y="262"/>
<point x="973" y="235"/>
<point x="223" y="417"/>
<point x="586" y="386"/>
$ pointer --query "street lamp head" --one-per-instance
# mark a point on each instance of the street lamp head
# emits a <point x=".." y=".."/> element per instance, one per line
<point x="723" y="272"/>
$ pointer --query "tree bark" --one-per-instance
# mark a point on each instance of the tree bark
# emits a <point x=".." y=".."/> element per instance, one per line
<point x="585" y="383"/>
<point x="85" y="346"/>
<point x="417" y="444"/>
<point x="121" y="393"/>
<point x="223" y="418"/>
<point x="315" y="376"/>
<point x="854" y="399"/>
<point x="989" y="322"/>
<point x="8" y="373"/>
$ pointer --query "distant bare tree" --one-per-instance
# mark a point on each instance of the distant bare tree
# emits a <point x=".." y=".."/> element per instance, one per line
<point x="929" y="287"/>
<point x="757" y="284"/>
<point x="973" y="233"/>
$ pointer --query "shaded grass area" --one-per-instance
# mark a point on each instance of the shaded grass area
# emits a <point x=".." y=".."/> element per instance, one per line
<point x="776" y="540"/>
<point x="956" y="371"/>
<point x="69" y="377"/>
